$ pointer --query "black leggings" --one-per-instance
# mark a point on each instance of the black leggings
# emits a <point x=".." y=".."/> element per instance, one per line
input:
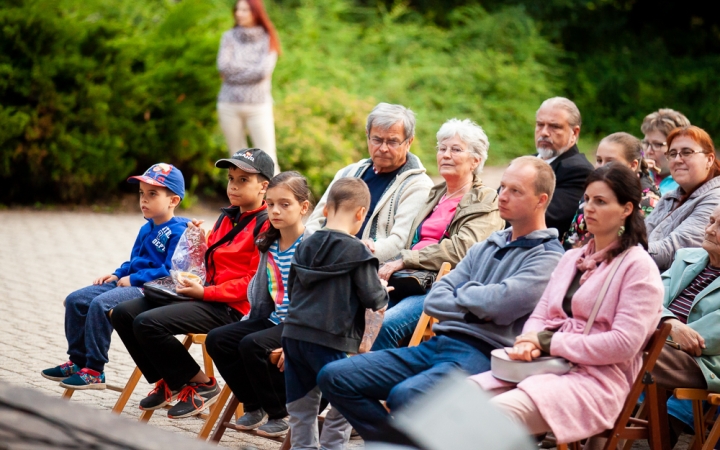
<point x="241" y="353"/>
<point x="148" y="331"/>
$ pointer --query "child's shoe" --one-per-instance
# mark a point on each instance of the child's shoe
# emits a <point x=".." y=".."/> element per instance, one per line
<point x="160" y="396"/>
<point x="59" y="373"/>
<point x="194" y="398"/>
<point x="273" y="428"/>
<point x="85" y="379"/>
<point x="251" y="419"/>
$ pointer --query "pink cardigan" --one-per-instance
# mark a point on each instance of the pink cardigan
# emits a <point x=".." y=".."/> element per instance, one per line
<point x="588" y="400"/>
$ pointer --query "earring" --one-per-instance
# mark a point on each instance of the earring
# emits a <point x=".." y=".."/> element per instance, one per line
<point x="621" y="230"/>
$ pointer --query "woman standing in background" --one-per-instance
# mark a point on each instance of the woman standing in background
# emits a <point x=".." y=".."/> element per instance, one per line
<point x="247" y="57"/>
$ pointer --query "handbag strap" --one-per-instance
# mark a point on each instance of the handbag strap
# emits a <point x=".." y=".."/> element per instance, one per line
<point x="616" y="264"/>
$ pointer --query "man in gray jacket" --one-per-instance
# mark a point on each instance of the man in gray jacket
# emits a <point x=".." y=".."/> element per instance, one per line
<point x="481" y="305"/>
<point x="396" y="178"/>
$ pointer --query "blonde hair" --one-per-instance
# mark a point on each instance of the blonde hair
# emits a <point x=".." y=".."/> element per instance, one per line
<point x="664" y="120"/>
<point x="544" y="175"/>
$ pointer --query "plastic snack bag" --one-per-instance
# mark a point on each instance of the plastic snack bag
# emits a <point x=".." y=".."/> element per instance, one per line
<point x="188" y="261"/>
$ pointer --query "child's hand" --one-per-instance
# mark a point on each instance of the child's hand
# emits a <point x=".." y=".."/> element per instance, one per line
<point x="385" y="285"/>
<point x="281" y="362"/>
<point x="195" y="223"/>
<point x="369" y="244"/>
<point x="190" y="288"/>
<point x="105" y="279"/>
<point x="124" y="282"/>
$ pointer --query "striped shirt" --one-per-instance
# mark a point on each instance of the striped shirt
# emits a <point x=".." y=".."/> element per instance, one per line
<point x="278" y="269"/>
<point x="682" y="304"/>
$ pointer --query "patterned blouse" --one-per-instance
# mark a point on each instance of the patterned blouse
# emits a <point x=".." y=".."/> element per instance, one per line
<point x="246" y="65"/>
<point x="577" y="235"/>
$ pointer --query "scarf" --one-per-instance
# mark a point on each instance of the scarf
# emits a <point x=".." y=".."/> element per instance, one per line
<point x="590" y="259"/>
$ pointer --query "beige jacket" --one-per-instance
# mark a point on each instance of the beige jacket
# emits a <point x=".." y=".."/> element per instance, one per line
<point x="389" y="223"/>
<point x="476" y="218"/>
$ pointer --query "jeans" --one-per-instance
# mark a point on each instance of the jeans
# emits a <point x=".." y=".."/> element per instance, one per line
<point x="237" y="120"/>
<point x="356" y="385"/>
<point x="400" y="321"/>
<point x="241" y="353"/>
<point x="87" y="327"/>
<point x="303" y="361"/>
<point x="148" y="331"/>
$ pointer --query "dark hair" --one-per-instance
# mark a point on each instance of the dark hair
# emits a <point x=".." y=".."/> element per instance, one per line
<point x="348" y="193"/>
<point x="626" y="186"/>
<point x="632" y="149"/>
<point x="295" y="183"/>
<point x="261" y="17"/>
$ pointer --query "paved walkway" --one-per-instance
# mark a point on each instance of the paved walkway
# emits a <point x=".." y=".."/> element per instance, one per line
<point x="43" y="257"/>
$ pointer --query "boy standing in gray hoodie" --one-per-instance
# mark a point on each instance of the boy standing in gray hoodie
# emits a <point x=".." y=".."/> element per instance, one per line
<point x="481" y="305"/>
<point x="332" y="280"/>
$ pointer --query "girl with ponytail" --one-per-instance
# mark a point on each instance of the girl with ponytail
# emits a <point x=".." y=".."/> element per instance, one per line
<point x="242" y="349"/>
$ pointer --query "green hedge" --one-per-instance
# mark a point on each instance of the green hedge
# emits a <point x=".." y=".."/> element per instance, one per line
<point x="92" y="91"/>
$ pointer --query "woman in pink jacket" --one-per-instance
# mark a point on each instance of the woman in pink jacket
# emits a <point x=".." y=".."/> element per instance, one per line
<point x="588" y="399"/>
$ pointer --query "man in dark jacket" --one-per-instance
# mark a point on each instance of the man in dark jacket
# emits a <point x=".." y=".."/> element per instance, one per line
<point x="332" y="281"/>
<point x="557" y="128"/>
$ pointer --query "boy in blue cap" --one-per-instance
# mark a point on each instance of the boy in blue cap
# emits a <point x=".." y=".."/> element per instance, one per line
<point x="87" y="326"/>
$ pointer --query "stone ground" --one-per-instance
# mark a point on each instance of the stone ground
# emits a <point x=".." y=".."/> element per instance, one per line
<point x="45" y="255"/>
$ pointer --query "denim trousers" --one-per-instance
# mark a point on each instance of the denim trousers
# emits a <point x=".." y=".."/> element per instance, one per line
<point x="87" y="327"/>
<point x="400" y="321"/>
<point x="356" y="385"/>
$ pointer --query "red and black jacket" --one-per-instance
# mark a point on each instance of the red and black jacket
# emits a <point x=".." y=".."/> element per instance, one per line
<point x="232" y="264"/>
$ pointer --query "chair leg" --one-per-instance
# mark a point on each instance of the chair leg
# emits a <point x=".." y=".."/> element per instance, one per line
<point x="207" y="362"/>
<point x="67" y="393"/>
<point x="286" y="445"/>
<point x="226" y="417"/>
<point x="699" y="421"/>
<point x="215" y="411"/>
<point x="658" y="433"/>
<point x="127" y="391"/>
<point x="562" y="447"/>
<point x="146" y="415"/>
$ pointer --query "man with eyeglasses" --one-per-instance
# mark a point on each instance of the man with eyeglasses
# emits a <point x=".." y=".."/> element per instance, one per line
<point x="396" y="178"/>
<point x="557" y="128"/>
<point x="656" y="127"/>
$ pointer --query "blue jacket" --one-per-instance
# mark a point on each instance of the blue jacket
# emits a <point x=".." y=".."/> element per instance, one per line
<point x="704" y="316"/>
<point x="152" y="252"/>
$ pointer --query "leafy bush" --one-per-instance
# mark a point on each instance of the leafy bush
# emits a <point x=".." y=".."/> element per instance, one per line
<point x="92" y="91"/>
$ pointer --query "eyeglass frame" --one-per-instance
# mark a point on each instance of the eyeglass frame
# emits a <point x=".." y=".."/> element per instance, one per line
<point x="647" y="146"/>
<point x="387" y="142"/>
<point x="452" y="150"/>
<point x="688" y="152"/>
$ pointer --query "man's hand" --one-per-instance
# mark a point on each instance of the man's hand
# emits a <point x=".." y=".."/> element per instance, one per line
<point x="389" y="268"/>
<point x="369" y="244"/>
<point x="277" y="357"/>
<point x="524" y="351"/>
<point x="105" y="279"/>
<point x="124" y="282"/>
<point x="687" y="339"/>
<point x="190" y="288"/>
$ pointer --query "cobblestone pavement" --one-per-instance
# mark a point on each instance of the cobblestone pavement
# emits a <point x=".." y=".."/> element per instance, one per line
<point x="43" y="257"/>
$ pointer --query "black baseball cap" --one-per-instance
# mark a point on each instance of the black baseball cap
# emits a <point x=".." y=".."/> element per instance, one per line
<point x="252" y="160"/>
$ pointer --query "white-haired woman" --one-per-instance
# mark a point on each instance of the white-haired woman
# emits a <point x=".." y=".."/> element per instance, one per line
<point x="459" y="212"/>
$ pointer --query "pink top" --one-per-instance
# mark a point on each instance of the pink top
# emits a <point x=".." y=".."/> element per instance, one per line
<point x="588" y="399"/>
<point x="433" y="228"/>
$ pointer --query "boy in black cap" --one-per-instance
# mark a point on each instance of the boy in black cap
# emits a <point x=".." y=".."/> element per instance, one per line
<point x="87" y="327"/>
<point x="148" y="329"/>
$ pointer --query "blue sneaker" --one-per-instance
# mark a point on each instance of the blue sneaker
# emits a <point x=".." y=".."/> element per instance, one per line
<point x="85" y="379"/>
<point x="59" y="373"/>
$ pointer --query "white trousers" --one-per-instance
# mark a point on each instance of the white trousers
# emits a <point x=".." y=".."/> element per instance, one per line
<point x="237" y="120"/>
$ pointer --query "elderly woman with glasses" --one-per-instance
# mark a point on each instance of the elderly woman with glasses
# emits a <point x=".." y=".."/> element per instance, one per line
<point x="459" y="212"/>
<point x="680" y="216"/>
<point x="656" y="127"/>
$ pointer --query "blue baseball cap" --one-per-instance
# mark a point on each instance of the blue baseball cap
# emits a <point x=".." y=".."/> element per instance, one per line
<point x="165" y="175"/>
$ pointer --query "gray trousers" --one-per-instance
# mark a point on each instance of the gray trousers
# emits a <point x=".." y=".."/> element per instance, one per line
<point x="304" y="425"/>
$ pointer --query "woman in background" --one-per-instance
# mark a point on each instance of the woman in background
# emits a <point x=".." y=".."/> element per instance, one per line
<point x="247" y="57"/>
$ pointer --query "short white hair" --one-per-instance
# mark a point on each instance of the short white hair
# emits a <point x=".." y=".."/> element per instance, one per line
<point x="385" y="115"/>
<point x="471" y="134"/>
<point x="568" y="105"/>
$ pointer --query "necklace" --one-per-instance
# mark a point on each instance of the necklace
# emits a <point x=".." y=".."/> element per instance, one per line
<point x="447" y="196"/>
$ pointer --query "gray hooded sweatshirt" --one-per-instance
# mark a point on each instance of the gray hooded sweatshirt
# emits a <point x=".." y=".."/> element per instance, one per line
<point x="493" y="290"/>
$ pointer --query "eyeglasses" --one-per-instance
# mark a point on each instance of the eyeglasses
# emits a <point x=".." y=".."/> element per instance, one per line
<point x="392" y="144"/>
<point x="441" y="149"/>
<point x="655" y="146"/>
<point x="684" y="153"/>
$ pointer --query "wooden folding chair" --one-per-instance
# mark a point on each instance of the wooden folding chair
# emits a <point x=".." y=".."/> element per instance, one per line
<point x="423" y="329"/>
<point x="654" y="428"/>
<point x="701" y="420"/>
